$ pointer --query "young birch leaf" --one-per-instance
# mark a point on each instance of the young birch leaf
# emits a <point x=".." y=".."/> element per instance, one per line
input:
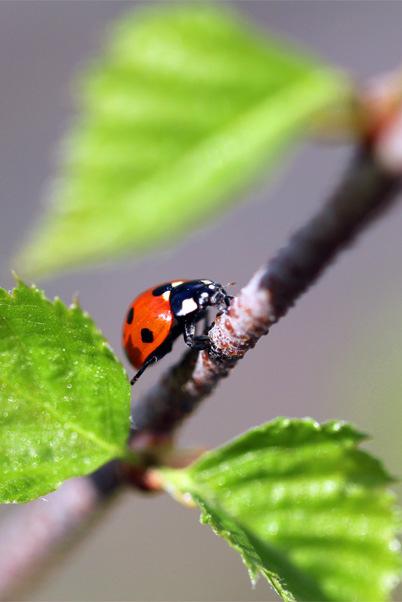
<point x="64" y="397"/>
<point x="184" y="107"/>
<point x="303" y="506"/>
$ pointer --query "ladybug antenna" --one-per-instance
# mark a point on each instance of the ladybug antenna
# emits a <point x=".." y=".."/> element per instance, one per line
<point x="230" y="283"/>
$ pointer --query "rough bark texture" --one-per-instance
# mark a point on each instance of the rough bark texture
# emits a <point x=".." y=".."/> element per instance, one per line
<point x="366" y="190"/>
<point x="35" y="532"/>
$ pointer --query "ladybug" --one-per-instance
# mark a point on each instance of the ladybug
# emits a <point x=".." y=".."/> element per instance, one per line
<point x="159" y="315"/>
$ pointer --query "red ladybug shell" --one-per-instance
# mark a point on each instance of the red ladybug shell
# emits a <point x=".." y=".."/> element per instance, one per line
<point x="148" y="324"/>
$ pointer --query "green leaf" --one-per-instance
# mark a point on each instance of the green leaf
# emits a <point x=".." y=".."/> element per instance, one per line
<point x="64" y="397"/>
<point x="184" y="107"/>
<point x="303" y="506"/>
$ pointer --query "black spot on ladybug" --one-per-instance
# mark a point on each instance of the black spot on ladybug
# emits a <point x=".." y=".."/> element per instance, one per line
<point x="146" y="335"/>
<point x="130" y="315"/>
<point x="159" y="290"/>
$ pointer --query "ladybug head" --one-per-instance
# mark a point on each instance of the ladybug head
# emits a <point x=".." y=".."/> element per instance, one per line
<point x="217" y="296"/>
<point x="194" y="296"/>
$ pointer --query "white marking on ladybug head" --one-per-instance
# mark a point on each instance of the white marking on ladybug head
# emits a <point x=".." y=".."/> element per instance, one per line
<point x="204" y="298"/>
<point x="206" y="281"/>
<point x="166" y="295"/>
<point x="177" y="283"/>
<point x="187" y="307"/>
<point x="212" y="287"/>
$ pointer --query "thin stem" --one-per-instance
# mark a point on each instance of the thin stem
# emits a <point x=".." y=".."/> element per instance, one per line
<point x="30" y="538"/>
<point x="33" y="535"/>
<point x="366" y="191"/>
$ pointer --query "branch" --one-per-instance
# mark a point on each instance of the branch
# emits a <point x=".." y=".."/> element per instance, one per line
<point x="32" y="536"/>
<point x="367" y="190"/>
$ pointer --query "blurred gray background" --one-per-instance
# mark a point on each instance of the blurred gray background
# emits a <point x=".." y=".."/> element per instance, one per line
<point x="336" y="355"/>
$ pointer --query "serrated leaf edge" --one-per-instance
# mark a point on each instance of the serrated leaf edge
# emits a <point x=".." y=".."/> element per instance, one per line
<point x="11" y="294"/>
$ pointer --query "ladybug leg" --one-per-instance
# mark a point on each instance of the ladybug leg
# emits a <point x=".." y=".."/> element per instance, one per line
<point x="207" y="324"/>
<point x="225" y="304"/>
<point x="150" y="360"/>
<point x="189" y="333"/>
<point x="195" y="342"/>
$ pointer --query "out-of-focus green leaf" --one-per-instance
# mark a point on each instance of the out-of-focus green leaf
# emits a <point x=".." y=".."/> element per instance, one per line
<point x="184" y="107"/>
<point x="303" y="506"/>
<point x="64" y="397"/>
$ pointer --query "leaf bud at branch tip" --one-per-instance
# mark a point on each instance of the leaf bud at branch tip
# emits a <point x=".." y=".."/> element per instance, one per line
<point x="381" y="115"/>
<point x="389" y="145"/>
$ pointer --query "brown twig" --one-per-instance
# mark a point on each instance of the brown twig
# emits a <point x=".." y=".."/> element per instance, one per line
<point x="33" y="535"/>
<point x="368" y="188"/>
